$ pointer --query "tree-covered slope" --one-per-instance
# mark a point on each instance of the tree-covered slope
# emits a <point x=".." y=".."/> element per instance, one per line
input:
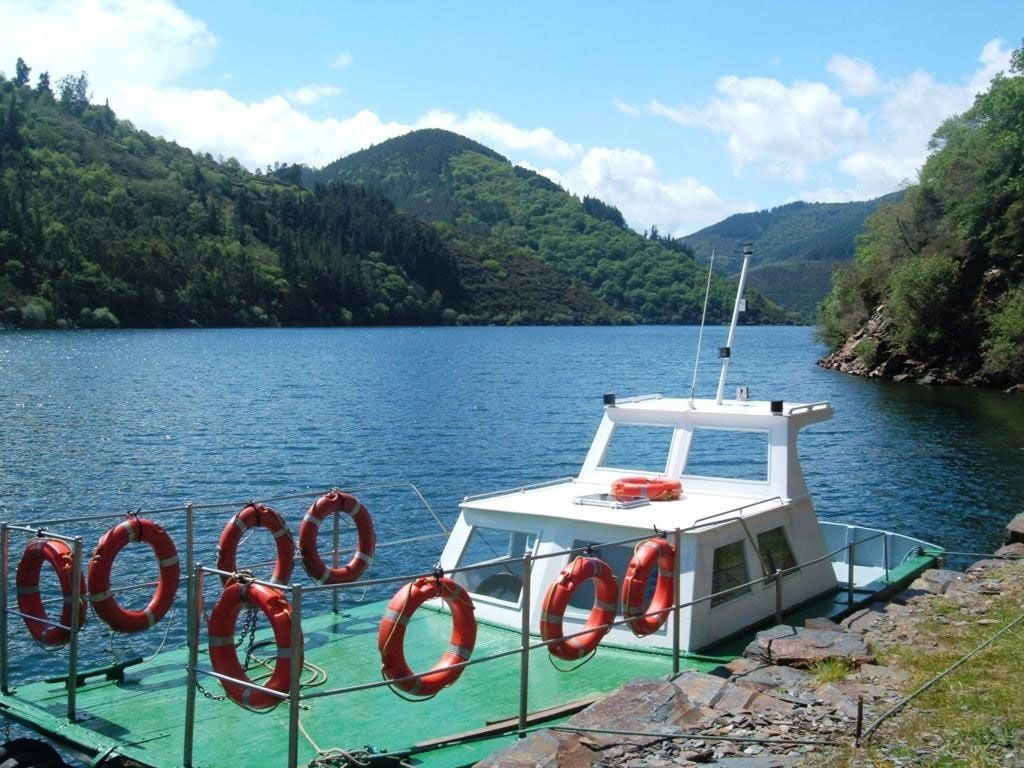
<point x="796" y="247"/>
<point x="102" y="224"/>
<point x="937" y="289"/>
<point x="482" y="201"/>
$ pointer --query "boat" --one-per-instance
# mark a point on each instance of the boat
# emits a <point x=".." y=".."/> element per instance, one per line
<point x="688" y="526"/>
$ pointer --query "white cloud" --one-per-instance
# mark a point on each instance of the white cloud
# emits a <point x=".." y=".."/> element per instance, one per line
<point x="117" y="42"/>
<point x="630" y="180"/>
<point x="310" y="94"/>
<point x="341" y="61"/>
<point x="626" y="108"/>
<point x="502" y="135"/>
<point x="857" y="76"/>
<point x="256" y="133"/>
<point x="781" y="130"/>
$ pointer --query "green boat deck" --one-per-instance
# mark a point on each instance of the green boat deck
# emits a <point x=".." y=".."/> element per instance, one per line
<point x="142" y="717"/>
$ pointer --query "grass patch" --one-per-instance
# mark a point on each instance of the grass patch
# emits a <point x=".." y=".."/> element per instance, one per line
<point x="830" y="670"/>
<point x="974" y="717"/>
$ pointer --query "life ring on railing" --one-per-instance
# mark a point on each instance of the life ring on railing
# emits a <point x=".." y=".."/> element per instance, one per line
<point x="257" y="516"/>
<point x="331" y="503"/>
<point x="391" y="635"/>
<point x="654" y="489"/>
<point x="134" y="529"/>
<point x="606" y="592"/>
<point x="224" y="656"/>
<point x="645" y="621"/>
<point x="59" y="555"/>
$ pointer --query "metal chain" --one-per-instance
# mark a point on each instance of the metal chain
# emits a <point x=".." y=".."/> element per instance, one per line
<point x="207" y="694"/>
<point x="248" y="634"/>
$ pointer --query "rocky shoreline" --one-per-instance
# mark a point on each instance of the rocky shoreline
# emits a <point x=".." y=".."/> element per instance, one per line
<point x="869" y="353"/>
<point x="794" y="695"/>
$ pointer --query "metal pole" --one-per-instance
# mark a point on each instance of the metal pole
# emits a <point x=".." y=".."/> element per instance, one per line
<point x="852" y="553"/>
<point x="295" y="677"/>
<point x="5" y="541"/>
<point x="778" y="596"/>
<point x="76" y="597"/>
<point x="189" y="554"/>
<point x="676" y="578"/>
<point x="524" y="656"/>
<point x="885" y="555"/>
<point x="748" y="250"/>
<point x="334" y="595"/>
<point x="195" y="588"/>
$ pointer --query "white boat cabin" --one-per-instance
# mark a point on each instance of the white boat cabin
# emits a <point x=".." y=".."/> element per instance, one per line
<point x="744" y="512"/>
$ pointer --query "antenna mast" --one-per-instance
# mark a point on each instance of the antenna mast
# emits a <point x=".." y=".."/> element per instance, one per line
<point x="726" y="351"/>
<point x="700" y="334"/>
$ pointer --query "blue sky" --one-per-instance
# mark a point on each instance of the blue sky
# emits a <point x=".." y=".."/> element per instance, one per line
<point x="678" y="113"/>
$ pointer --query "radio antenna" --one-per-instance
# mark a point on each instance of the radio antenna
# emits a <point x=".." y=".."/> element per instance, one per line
<point x="740" y="306"/>
<point x="700" y="334"/>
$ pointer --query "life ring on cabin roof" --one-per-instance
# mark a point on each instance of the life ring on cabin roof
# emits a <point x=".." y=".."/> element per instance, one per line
<point x="30" y="603"/>
<point x="654" y="489"/>
<point x="331" y="503"/>
<point x="391" y="635"/>
<point x="645" y="621"/>
<point x="606" y="589"/>
<point x="224" y="655"/>
<point x="257" y="516"/>
<point x="134" y="529"/>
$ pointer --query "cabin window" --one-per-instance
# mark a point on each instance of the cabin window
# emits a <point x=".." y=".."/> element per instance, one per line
<point x="500" y="551"/>
<point x="639" y="448"/>
<point x="728" y="453"/>
<point x="617" y="557"/>
<point x="775" y="551"/>
<point x="729" y="570"/>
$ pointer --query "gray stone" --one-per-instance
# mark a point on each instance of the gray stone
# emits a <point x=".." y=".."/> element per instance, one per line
<point x="822" y="623"/>
<point x="800" y="647"/>
<point x="767" y="676"/>
<point x="1011" y="550"/>
<point x="543" y="749"/>
<point x="1014" y="530"/>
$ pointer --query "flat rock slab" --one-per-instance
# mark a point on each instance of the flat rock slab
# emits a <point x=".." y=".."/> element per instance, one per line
<point x="757" y="674"/>
<point x="801" y="647"/>
<point x="543" y="749"/>
<point x="1014" y="530"/>
<point x="936" y="580"/>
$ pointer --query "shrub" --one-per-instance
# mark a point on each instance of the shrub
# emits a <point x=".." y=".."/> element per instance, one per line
<point x="920" y="298"/>
<point x="867" y="352"/>
<point x="36" y="313"/>
<point x="1003" y="346"/>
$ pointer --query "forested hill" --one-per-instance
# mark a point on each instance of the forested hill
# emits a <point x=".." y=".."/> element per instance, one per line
<point x="936" y="293"/>
<point x="796" y="247"/>
<point x="485" y="205"/>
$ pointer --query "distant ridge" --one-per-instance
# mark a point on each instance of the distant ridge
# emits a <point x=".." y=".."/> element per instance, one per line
<point x="797" y="247"/>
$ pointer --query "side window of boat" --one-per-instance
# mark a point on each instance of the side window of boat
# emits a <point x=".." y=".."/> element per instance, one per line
<point x="774" y="549"/>
<point x="639" y="448"/>
<point x="729" y="570"/>
<point x="499" y="552"/>
<point x="728" y="453"/>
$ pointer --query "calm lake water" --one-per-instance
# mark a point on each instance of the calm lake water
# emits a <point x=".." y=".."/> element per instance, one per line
<point x="106" y="421"/>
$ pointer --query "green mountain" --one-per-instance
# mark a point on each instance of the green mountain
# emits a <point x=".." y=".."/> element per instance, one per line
<point x="797" y="247"/>
<point x="102" y="224"/>
<point x="484" y="205"/>
<point x="936" y="293"/>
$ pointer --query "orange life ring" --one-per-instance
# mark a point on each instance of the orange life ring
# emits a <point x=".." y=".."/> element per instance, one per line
<point x="134" y="529"/>
<point x="644" y="621"/>
<point x="655" y="489"/>
<point x="331" y="503"/>
<point x="391" y="635"/>
<point x="224" y="656"/>
<point x="30" y="603"/>
<point x="606" y="589"/>
<point x="257" y="516"/>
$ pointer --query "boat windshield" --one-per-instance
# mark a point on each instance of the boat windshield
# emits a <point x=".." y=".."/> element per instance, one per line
<point x="639" y="448"/>
<point x="495" y="549"/>
<point x="731" y="454"/>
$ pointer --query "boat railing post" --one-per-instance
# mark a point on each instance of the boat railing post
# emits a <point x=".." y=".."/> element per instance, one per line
<point x="676" y="590"/>
<point x="524" y="655"/>
<point x="295" y="676"/>
<point x="778" y="595"/>
<point x="851" y="554"/>
<point x="189" y="555"/>
<point x="195" y="588"/>
<point x="335" y="597"/>
<point x="76" y="598"/>
<point x="5" y="545"/>
<point x="885" y="555"/>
